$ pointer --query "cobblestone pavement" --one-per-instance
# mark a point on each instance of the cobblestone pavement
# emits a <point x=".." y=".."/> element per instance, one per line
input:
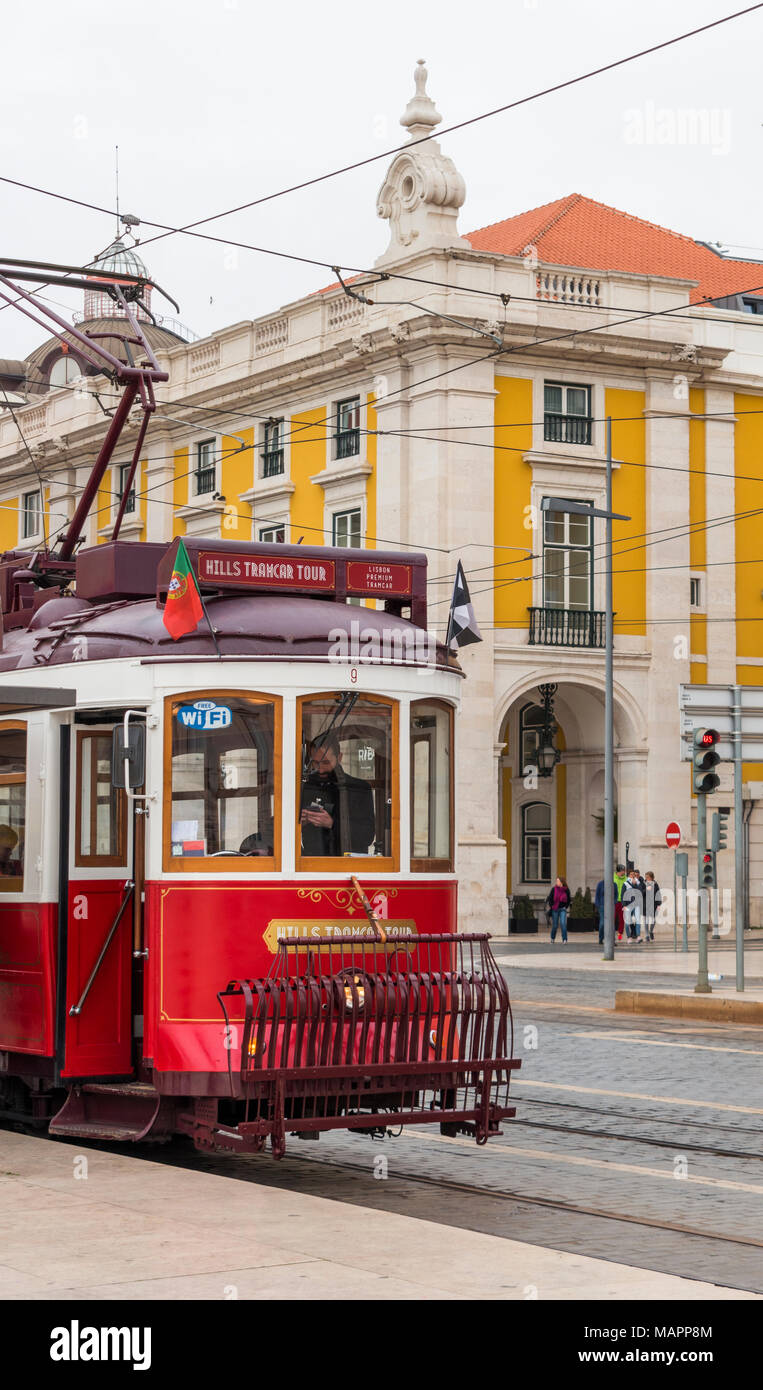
<point x="658" y="1121"/>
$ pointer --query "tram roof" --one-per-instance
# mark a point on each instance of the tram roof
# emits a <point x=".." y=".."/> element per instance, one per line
<point x="293" y="628"/>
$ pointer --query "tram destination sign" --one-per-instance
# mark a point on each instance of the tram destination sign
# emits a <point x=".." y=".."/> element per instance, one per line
<point x="379" y="577"/>
<point x="243" y="571"/>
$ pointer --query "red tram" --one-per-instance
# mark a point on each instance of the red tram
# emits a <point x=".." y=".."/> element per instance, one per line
<point x="227" y="888"/>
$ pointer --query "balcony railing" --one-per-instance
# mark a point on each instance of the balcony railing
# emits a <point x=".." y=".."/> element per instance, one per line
<point x="566" y="627"/>
<point x="272" y="463"/>
<point x="567" y="429"/>
<point x="347" y="443"/>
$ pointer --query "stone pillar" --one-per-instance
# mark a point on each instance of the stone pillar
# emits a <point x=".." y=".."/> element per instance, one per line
<point x="631" y="776"/>
<point x="432" y="495"/>
<point x="667" y="791"/>
<point x="720" y="540"/>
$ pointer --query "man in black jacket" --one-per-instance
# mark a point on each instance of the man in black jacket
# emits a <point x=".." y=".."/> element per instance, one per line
<point x="337" y="813"/>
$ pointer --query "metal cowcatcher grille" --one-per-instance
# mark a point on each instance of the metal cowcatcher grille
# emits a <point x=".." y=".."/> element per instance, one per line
<point x="357" y="1033"/>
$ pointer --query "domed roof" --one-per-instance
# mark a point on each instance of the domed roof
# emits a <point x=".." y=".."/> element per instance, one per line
<point x="120" y="259"/>
<point x="117" y="260"/>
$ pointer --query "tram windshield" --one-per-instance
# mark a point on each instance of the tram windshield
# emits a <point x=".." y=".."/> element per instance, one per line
<point x="12" y="807"/>
<point x="345" y="806"/>
<point x="222" y="778"/>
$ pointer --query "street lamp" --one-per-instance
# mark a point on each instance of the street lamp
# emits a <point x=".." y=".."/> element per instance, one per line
<point x="547" y="754"/>
<point x="561" y="504"/>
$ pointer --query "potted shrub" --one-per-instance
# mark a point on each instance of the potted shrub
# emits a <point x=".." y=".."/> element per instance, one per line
<point x="522" y="915"/>
<point x="581" y="914"/>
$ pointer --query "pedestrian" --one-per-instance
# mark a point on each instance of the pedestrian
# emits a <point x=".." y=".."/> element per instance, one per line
<point x="558" y="901"/>
<point x="620" y="881"/>
<point x="598" y="903"/>
<point x="633" y="906"/>
<point x="652" y="904"/>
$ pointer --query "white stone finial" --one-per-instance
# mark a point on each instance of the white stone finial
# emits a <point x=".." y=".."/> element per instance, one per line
<point x="423" y="190"/>
<point x="421" y="115"/>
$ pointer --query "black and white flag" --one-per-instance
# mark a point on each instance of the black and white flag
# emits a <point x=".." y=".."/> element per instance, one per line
<point x="462" y="624"/>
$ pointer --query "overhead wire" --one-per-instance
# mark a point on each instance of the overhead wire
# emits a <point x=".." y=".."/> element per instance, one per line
<point x="190" y="228"/>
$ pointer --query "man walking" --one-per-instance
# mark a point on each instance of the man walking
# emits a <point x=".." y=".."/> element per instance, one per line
<point x="620" y="881"/>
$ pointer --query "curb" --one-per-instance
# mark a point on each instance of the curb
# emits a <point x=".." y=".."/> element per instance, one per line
<point x="708" y="1006"/>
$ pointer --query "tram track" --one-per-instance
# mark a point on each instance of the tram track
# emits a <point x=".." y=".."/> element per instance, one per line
<point x="652" y="1242"/>
<point x="548" y="1203"/>
<point x="667" y="1143"/>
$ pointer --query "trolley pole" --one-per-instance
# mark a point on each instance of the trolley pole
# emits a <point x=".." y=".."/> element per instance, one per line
<point x="703" y="984"/>
<point x="609" y="725"/>
<point x="739" y="893"/>
<point x="560" y="504"/>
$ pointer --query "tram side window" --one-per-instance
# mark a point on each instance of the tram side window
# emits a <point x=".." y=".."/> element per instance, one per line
<point x="431" y="785"/>
<point x="345" y="806"/>
<point x="12" y="807"/>
<point x="222" y="779"/>
<point x="101" y="820"/>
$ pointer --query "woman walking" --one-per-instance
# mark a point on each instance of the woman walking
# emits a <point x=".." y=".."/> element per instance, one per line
<point x="558" y="901"/>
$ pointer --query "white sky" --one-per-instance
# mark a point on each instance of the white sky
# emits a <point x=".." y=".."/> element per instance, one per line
<point x="215" y="102"/>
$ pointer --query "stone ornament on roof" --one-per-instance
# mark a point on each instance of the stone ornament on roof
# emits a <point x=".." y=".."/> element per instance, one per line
<point x="423" y="190"/>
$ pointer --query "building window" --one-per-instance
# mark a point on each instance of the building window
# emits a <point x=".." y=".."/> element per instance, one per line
<point x="273" y="535"/>
<point x="223" y="793"/>
<point x="12" y="806"/>
<point x="124" y="473"/>
<point x="530" y="724"/>
<point x="566" y="413"/>
<point x="346" y="528"/>
<point x="695" y="591"/>
<point x="31" y="514"/>
<point x="536" y="842"/>
<point x="205" y="466"/>
<point x="752" y="305"/>
<point x="65" y="370"/>
<point x="348" y="428"/>
<point x="349" y="784"/>
<point x="567" y="560"/>
<point x="101" y="821"/>
<point x="431" y="786"/>
<point x="272" y="449"/>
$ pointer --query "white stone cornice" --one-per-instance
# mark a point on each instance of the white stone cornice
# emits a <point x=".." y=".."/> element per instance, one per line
<point x="269" y="490"/>
<point x="333" y="477"/>
<point x="539" y="459"/>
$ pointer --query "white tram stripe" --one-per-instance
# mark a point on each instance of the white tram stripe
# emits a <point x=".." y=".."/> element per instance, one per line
<point x="655" y="1042"/>
<point x="639" y="1095"/>
<point x="574" y="1160"/>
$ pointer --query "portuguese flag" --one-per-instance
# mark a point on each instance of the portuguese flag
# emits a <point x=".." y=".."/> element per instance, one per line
<point x="183" y="609"/>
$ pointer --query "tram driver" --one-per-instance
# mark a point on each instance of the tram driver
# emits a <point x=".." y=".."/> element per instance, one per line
<point x="337" y="811"/>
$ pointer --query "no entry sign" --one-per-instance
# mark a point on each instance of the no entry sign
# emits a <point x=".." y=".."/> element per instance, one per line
<point x="673" y="835"/>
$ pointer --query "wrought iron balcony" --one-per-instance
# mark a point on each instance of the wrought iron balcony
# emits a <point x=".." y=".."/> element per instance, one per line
<point x="567" y="429"/>
<point x="347" y="443"/>
<point x="272" y="463"/>
<point x="566" y="627"/>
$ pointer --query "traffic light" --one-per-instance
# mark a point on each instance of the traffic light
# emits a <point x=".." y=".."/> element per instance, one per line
<point x="720" y="829"/>
<point x="709" y="877"/>
<point x="705" y="760"/>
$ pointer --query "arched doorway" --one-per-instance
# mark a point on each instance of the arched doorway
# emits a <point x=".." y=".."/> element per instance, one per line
<point x="554" y="824"/>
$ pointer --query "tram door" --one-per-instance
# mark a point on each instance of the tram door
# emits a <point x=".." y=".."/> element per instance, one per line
<point x="102" y="909"/>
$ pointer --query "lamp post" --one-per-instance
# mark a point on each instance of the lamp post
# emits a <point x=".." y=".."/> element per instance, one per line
<point x="547" y="754"/>
<point x="561" y="504"/>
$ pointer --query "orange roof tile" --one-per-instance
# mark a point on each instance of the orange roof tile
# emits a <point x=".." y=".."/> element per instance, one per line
<point x="578" y="232"/>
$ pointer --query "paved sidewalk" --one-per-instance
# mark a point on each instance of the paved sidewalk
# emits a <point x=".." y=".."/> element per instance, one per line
<point x="132" y="1229"/>
<point x="679" y="969"/>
